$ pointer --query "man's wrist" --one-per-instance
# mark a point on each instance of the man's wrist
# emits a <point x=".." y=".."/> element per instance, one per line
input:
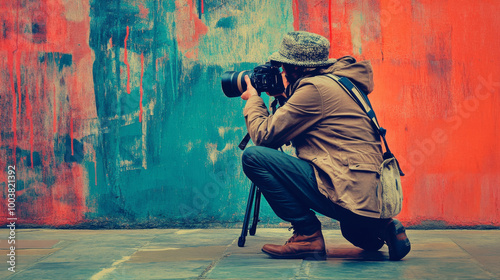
<point x="252" y="95"/>
<point x="252" y="104"/>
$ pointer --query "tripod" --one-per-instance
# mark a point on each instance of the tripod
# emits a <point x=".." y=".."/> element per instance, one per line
<point x="254" y="192"/>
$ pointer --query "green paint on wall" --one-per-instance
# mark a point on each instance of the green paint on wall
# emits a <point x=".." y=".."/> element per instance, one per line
<point x="180" y="165"/>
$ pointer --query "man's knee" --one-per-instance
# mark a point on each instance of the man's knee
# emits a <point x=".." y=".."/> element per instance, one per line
<point x="251" y="156"/>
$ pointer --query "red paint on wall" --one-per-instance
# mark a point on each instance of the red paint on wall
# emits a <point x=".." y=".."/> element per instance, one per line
<point x="330" y="20"/>
<point x="37" y="87"/>
<point x="296" y="16"/>
<point x="18" y="75"/>
<point x="32" y="33"/>
<point x="125" y="60"/>
<point x="312" y="16"/>
<point x="189" y="28"/>
<point x="143" y="11"/>
<point x="58" y="204"/>
<point x="71" y="136"/>
<point x="54" y="108"/>
<point x="14" y="106"/>
<point x="436" y="92"/>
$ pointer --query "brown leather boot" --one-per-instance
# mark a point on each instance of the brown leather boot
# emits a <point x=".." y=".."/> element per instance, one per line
<point x="299" y="247"/>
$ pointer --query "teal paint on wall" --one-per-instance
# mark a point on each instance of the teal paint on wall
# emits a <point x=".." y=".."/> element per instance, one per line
<point x="180" y="166"/>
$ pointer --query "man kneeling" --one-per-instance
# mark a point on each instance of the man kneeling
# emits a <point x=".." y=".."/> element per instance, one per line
<point x="338" y="153"/>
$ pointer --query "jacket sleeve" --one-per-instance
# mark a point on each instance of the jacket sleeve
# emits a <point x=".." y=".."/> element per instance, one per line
<point x="300" y="112"/>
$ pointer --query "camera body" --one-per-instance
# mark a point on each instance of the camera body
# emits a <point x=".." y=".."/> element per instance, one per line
<point x="264" y="78"/>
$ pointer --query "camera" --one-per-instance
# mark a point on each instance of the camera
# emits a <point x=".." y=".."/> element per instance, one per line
<point x="264" y="78"/>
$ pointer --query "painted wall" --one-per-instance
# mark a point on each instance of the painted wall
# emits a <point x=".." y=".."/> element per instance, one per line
<point x="112" y="112"/>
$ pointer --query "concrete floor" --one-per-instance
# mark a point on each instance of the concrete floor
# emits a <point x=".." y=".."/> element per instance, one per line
<point x="214" y="254"/>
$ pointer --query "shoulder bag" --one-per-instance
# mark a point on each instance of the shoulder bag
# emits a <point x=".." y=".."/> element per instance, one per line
<point x="389" y="192"/>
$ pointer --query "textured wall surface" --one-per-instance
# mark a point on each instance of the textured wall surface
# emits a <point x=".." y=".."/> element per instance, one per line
<point x="113" y="115"/>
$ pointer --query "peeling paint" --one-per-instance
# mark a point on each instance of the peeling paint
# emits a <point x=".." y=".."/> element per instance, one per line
<point x="213" y="153"/>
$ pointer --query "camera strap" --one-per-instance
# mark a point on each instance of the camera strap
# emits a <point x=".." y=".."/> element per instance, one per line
<point x="244" y="142"/>
<point x="274" y="105"/>
<point x="362" y="100"/>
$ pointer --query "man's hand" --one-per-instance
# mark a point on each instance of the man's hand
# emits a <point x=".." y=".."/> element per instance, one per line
<point x="285" y="84"/>
<point x="250" y="90"/>
<point x="285" y="81"/>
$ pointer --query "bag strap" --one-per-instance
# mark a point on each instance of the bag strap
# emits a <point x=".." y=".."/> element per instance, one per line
<point x="362" y="100"/>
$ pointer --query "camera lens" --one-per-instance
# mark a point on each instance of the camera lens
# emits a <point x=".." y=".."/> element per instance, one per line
<point x="233" y="83"/>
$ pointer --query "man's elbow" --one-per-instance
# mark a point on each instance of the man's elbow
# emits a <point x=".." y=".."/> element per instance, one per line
<point x="259" y="140"/>
<point x="267" y="142"/>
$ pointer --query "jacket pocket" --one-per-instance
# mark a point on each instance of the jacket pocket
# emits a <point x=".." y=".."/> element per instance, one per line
<point x="363" y="167"/>
<point x="364" y="162"/>
<point x="363" y="178"/>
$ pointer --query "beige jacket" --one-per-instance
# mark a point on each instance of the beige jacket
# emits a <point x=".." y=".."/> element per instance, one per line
<point x="329" y="130"/>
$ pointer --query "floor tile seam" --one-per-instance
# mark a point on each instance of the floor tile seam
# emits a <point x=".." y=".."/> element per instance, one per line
<point x="66" y="244"/>
<point x="60" y="244"/>
<point x="124" y="258"/>
<point x="299" y="273"/>
<point x="483" y="267"/>
<point x="214" y="263"/>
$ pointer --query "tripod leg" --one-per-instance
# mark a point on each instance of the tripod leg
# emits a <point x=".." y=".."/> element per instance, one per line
<point x="256" y="209"/>
<point x="244" y="230"/>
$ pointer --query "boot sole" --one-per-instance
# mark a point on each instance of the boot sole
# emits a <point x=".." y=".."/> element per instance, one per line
<point x="397" y="241"/>
<point x="314" y="255"/>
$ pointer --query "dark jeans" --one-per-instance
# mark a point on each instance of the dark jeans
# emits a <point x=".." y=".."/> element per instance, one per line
<point x="289" y="186"/>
